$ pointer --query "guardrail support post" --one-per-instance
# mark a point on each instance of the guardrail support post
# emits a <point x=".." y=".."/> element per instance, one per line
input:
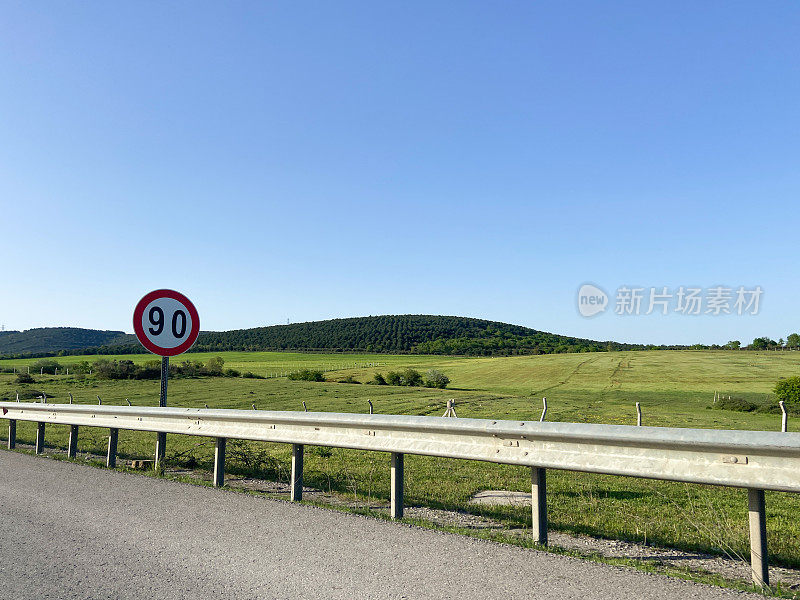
<point x="397" y="485"/>
<point x="219" y="462"/>
<point x="111" y="458"/>
<point x="72" y="446"/>
<point x="297" y="472"/>
<point x="39" y="438"/>
<point x="161" y="447"/>
<point x="759" y="563"/>
<point x="12" y="434"/>
<point x="539" y="505"/>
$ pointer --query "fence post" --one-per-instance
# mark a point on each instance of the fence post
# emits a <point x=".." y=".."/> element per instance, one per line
<point x="12" y="434"/>
<point x="219" y="462"/>
<point x="297" y="472"/>
<point x="759" y="559"/>
<point x="72" y="446"/>
<point x="397" y="485"/>
<point x="111" y="458"/>
<point x="39" y="438"/>
<point x="539" y="505"/>
<point x="784" y="417"/>
<point x="638" y="414"/>
<point x="544" y="410"/>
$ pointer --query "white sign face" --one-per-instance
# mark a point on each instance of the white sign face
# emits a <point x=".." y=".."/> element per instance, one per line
<point x="166" y="322"/>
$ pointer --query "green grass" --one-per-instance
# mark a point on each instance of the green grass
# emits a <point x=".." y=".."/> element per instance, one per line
<point x="674" y="388"/>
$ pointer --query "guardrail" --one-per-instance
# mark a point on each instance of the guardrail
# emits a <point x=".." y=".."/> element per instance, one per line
<point x="755" y="460"/>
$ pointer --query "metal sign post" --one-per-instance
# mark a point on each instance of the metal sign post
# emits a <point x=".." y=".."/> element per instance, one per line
<point x="167" y="324"/>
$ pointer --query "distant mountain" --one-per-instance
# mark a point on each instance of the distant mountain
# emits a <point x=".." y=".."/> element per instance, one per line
<point x="52" y="339"/>
<point x="423" y="334"/>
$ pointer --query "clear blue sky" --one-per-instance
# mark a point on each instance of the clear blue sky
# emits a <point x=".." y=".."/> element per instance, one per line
<point x="328" y="159"/>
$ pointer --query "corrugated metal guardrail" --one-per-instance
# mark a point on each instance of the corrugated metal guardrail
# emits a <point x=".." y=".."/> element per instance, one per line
<point x="756" y="460"/>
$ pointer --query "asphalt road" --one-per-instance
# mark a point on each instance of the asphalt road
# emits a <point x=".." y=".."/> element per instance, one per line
<point x="71" y="531"/>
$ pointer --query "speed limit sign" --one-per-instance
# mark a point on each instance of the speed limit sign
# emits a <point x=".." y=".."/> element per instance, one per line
<point x="166" y="322"/>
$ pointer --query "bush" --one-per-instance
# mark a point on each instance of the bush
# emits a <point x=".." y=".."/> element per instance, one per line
<point x="231" y="373"/>
<point x="408" y="376"/>
<point x="25" y="378"/>
<point x="394" y="378"/>
<point x="46" y="365"/>
<point x="378" y="379"/>
<point x="436" y="379"/>
<point x="306" y="375"/>
<point x="251" y="375"/>
<point x="738" y="404"/>
<point x="213" y="366"/>
<point x="412" y="377"/>
<point x="349" y="379"/>
<point x="788" y="390"/>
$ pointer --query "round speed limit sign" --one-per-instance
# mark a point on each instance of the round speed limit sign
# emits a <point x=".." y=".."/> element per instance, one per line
<point x="166" y="322"/>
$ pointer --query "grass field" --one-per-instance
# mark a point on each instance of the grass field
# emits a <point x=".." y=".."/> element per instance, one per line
<point x="675" y="388"/>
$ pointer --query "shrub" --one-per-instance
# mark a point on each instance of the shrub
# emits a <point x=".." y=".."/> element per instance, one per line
<point x="349" y="379"/>
<point x="394" y="378"/>
<point x="251" y="375"/>
<point x="25" y="378"/>
<point x="412" y="377"/>
<point x="788" y="390"/>
<point x="46" y="365"/>
<point x="213" y="366"/>
<point x="734" y="403"/>
<point x="378" y="379"/>
<point x="408" y="376"/>
<point x="231" y="373"/>
<point x="306" y="375"/>
<point x="436" y="379"/>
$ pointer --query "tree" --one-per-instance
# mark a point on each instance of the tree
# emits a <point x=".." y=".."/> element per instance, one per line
<point x="46" y="365"/>
<point x="436" y="379"/>
<point x="214" y="365"/>
<point x="763" y="343"/>
<point x="733" y="345"/>
<point x="793" y="341"/>
<point x="788" y="390"/>
<point x="394" y="378"/>
<point x="412" y="377"/>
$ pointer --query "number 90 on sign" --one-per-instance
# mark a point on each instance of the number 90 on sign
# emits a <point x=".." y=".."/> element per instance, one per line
<point x="166" y="322"/>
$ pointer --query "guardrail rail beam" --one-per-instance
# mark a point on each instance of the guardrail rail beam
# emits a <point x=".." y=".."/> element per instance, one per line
<point x="753" y="460"/>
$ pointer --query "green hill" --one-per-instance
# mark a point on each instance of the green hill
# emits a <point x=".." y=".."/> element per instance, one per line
<point x="423" y="334"/>
<point x="53" y="339"/>
<point x="420" y="334"/>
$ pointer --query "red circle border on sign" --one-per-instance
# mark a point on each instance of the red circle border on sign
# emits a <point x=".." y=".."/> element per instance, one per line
<point x="137" y="322"/>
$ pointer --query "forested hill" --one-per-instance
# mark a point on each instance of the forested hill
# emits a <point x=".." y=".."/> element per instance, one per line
<point x="51" y="339"/>
<point x="423" y="334"/>
<point x="428" y="334"/>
